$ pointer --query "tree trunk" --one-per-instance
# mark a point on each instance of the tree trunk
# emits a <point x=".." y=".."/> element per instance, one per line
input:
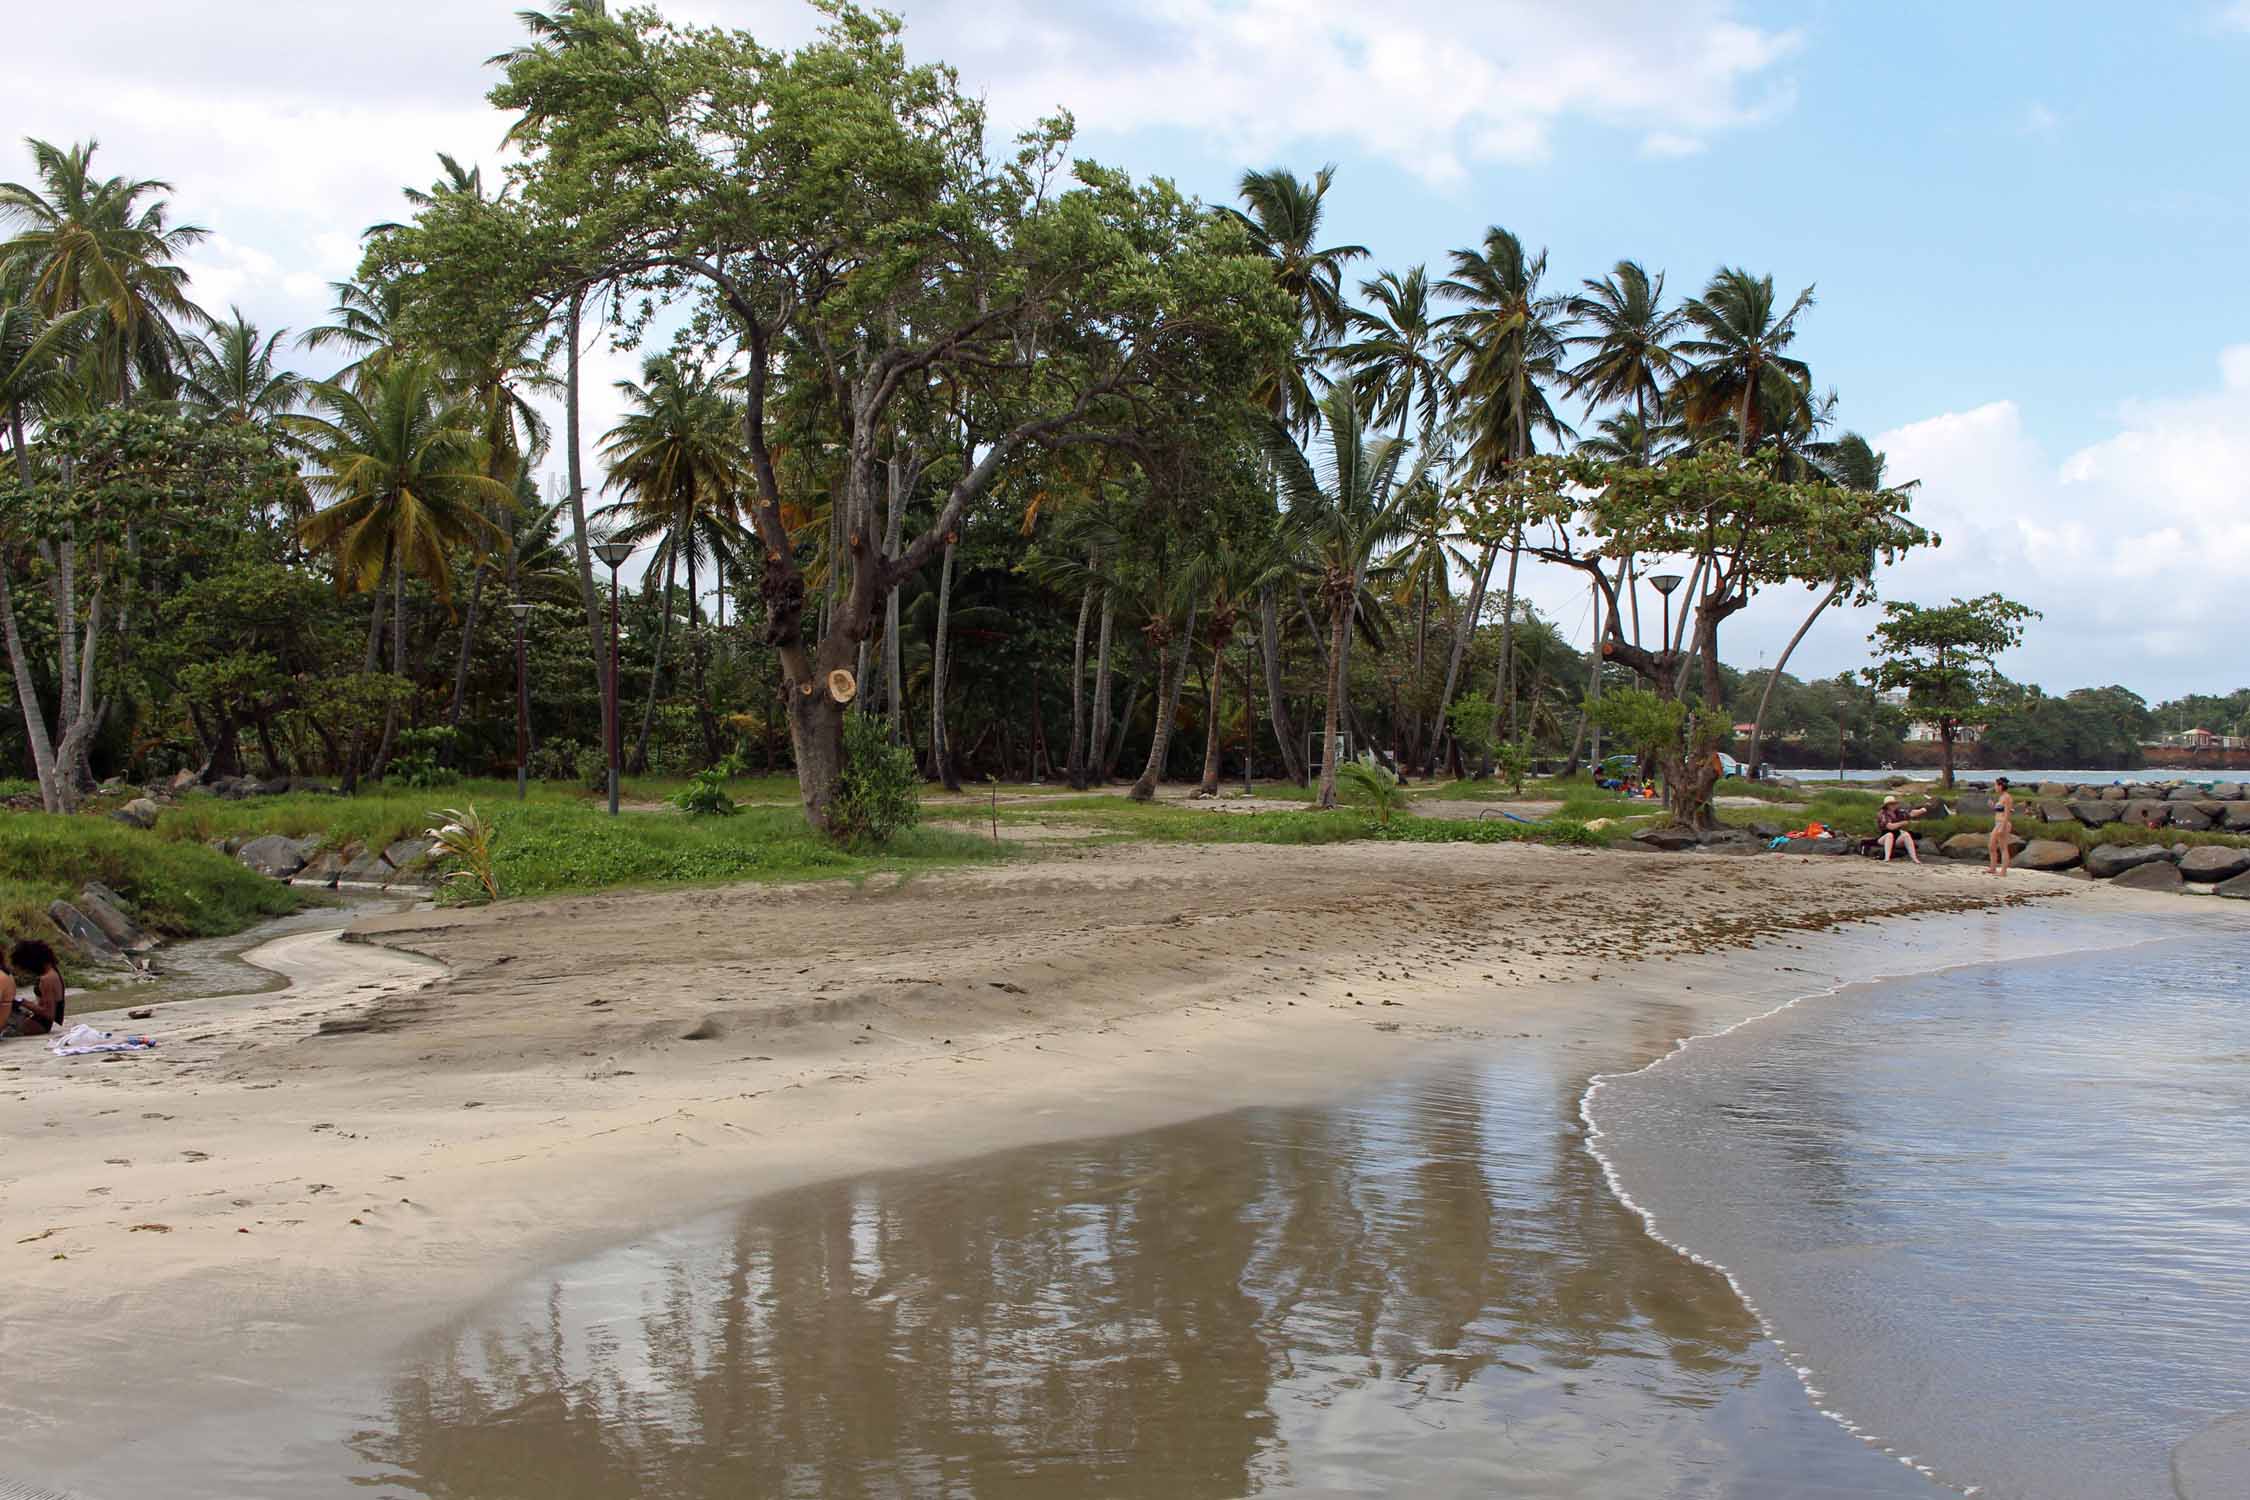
<point x="1758" y="720"/>
<point x="1338" y="629"/>
<point x="1075" y="761"/>
<point x="398" y="668"/>
<point x="816" y="734"/>
<point x="1504" y="679"/>
<point x="27" y="699"/>
<point x="1167" y="709"/>
<point x="1101" y="759"/>
<point x="941" y="755"/>
<point x="1464" y="627"/>
<point x="574" y="476"/>
<point x="1277" y="710"/>
<point x="1210" y="786"/>
<point x="461" y="666"/>
<point x="1123" y="726"/>
<point x="638" y="763"/>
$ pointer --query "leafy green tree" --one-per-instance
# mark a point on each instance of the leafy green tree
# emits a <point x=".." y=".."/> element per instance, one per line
<point x="233" y="375"/>
<point x="1943" y="656"/>
<point x="836" y="221"/>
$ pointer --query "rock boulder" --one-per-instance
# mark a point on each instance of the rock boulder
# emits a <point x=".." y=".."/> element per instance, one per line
<point x="2188" y="817"/>
<point x="407" y="855"/>
<point x="2184" y="794"/>
<point x="2048" y="854"/>
<point x="105" y="910"/>
<point x="2106" y="861"/>
<point x="2114" y="793"/>
<point x="80" y="929"/>
<point x="2237" y="889"/>
<point x="2214" y="862"/>
<point x="1976" y="845"/>
<point x="2145" y="812"/>
<point x="2096" y="814"/>
<point x="2238" y="817"/>
<point x="2053" y="789"/>
<point x="366" y="868"/>
<point x="2161" y="876"/>
<point x="1667" y="839"/>
<point x="2226" y="791"/>
<point x="141" y="812"/>
<point x="276" y="856"/>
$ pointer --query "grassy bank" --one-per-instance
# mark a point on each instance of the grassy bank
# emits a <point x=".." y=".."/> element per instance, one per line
<point x="176" y="889"/>
<point x="1103" y="819"/>
<point x="562" y="839"/>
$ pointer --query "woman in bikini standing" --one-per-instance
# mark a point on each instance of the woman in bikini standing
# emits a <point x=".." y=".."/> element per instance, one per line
<point x="2000" y="850"/>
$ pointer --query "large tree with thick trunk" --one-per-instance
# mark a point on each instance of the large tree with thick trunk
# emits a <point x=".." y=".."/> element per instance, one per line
<point x="1740" y="529"/>
<point x="832" y="220"/>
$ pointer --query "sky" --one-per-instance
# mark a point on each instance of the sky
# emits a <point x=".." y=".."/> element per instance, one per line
<point x="2025" y="223"/>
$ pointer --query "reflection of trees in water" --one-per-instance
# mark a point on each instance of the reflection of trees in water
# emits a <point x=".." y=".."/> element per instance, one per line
<point x="1150" y="1315"/>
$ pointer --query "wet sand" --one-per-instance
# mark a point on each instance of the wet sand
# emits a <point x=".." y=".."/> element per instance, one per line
<point x="295" y="1184"/>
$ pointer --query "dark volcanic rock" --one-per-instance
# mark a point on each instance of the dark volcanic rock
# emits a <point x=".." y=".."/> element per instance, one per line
<point x="2048" y="854"/>
<point x="2145" y="812"/>
<point x="1666" y="838"/>
<point x="2162" y="876"/>
<point x="2108" y="860"/>
<point x="2188" y="817"/>
<point x="276" y="856"/>
<point x="2237" y="889"/>
<point x="2214" y="862"/>
<point x="2096" y="814"/>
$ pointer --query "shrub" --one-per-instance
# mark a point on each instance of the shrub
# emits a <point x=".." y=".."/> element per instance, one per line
<point x="466" y="839"/>
<point x="1471" y="721"/>
<point x="1514" y="758"/>
<point x="880" y="791"/>
<point x="557" y="760"/>
<point x="705" y="795"/>
<point x="1365" y="784"/>
<point x="418" y="760"/>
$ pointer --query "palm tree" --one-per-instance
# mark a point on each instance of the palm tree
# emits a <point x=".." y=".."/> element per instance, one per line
<point x="364" y="322"/>
<point x="1628" y="357"/>
<point x="1284" y="223"/>
<point x="1401" y="355"/>
<point x="1740" y="370"/>
<point x="677" y="454"/>
<point x="1344" y="516"/>
<point x="1512" y="339"/>
<point x="406" y="475"/>
<point x="107" y="243"/>
<point x="232" y="375"/>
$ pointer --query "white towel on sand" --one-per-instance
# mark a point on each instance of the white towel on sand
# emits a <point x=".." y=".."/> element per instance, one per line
<point x="82" y="1039"/>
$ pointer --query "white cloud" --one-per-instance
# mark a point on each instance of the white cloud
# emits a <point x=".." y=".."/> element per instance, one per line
<point x="2235" y="15"/>
<point x="2135" y="546"/>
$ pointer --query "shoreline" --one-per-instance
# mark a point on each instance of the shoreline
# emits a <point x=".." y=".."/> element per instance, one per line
<point x="1612" y="1174"/>
<point x="481" y="1125"/>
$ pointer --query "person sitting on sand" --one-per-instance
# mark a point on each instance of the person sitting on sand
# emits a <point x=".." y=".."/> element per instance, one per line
<point x="1891" y="830"/>
<point x="41" y="1011"/>
<point x="2000" y="851"/>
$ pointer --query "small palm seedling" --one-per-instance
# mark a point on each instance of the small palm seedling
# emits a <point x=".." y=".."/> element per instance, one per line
<point x="466" y="837"/>
<point x="1365" y="784"/>
<point x="705" y="795"/>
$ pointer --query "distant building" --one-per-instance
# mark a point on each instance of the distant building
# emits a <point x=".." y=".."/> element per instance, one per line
<point x="1925" y="732"/>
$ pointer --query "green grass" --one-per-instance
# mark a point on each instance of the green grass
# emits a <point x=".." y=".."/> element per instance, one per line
<point x="177" y="890"/>
<point x="1119" y="820"/>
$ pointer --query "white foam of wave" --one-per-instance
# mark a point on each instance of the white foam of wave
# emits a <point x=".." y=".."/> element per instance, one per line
<point x="1795" y="1359"/>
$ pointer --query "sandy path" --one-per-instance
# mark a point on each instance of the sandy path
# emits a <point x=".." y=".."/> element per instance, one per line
<point x="303" y="1178"/>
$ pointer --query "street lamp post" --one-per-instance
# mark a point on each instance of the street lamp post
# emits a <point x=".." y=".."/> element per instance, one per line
<point x="1665" y="583"/>
<point x="613" y="551"/>
<point x="522" y="611"/>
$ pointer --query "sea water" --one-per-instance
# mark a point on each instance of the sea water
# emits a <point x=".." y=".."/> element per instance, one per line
<point x="1999" y="1216"/>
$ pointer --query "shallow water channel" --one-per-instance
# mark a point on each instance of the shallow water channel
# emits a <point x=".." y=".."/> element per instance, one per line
<point x="1428" y="1288"/>
<point x="202" y="968"/>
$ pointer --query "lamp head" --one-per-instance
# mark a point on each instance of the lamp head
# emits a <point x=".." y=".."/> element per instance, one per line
<point x="613" y="551"/>
<point x="1666" y="582"/>
<point x="520" y="610"/>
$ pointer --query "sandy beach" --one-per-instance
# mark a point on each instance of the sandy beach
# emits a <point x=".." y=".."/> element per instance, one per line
<point x="302" y="1179"/>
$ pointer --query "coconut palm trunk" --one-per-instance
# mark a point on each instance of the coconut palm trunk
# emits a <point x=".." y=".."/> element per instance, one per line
<point x="1210" y="786"/>
<point x="941" y="754"/>
<point x="638" y="763"/>
<point x="1098" y="756"/>
<point x="1464" y="627"/>
<point x="1277" y="707"/>
<point x="1168" y="690"/>
<point x="1075" y="760"/>
<point x="1765" y="695"/>
<point x="575" y="477"/>
<point x="1339" y="629"/>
